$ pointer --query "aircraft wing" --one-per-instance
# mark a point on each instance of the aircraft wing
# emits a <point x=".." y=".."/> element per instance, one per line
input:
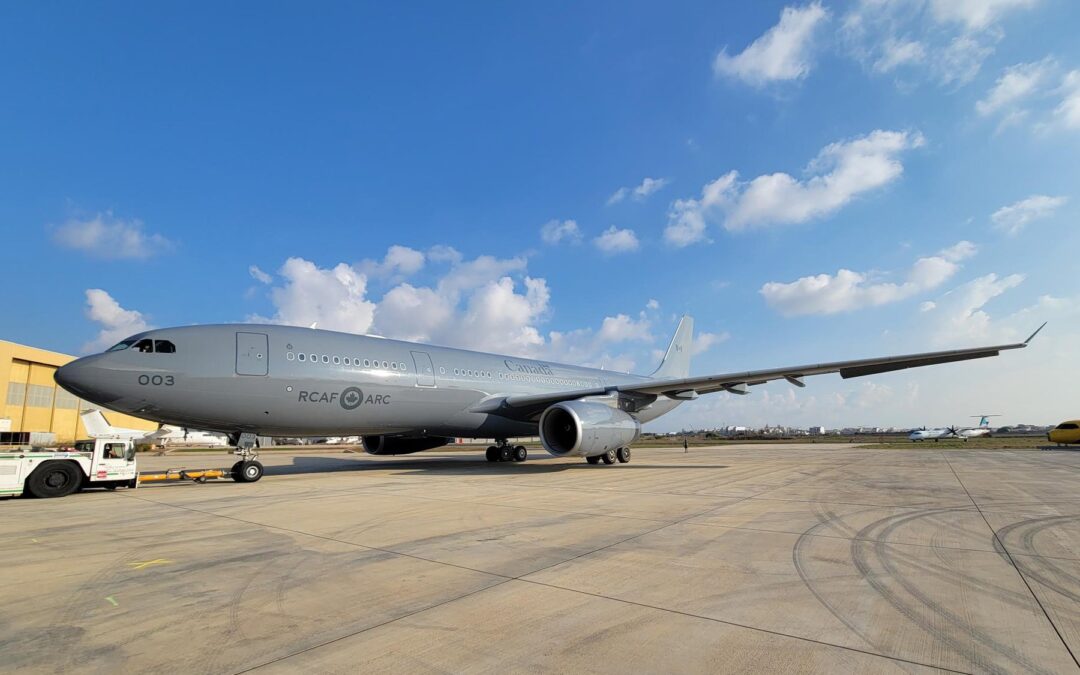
<point x="529" y="406"/>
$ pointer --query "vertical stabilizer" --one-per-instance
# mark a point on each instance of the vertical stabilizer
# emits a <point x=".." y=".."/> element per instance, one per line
<point x="96" y="424"/>
<point x="676" y="361"/>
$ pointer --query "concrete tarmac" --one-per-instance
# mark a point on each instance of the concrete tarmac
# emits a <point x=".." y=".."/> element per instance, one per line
<point x="777" y="558"/>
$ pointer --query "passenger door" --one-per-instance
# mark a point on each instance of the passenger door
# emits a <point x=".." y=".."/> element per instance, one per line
<point x="425" y="372"/>
<point x="251" y="354"/>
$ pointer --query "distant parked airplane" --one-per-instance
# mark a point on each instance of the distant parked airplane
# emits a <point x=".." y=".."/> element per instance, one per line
<point x="97" y="426"/>
<point x="965" y="433"/>
<point x="250" y="380"/>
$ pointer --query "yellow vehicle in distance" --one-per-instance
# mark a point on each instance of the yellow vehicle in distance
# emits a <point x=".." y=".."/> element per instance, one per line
<point x="1066" y="432"/>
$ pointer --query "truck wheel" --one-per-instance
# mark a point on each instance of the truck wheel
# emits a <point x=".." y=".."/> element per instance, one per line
<point x="54" y="479"/>
<point x="247" y="472"/>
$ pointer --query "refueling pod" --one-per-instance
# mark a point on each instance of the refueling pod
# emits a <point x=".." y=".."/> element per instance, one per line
<point x="586" y="429"/>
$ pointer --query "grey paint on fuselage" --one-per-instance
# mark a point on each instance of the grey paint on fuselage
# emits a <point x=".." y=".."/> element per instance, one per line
<point x="200" y="385"/>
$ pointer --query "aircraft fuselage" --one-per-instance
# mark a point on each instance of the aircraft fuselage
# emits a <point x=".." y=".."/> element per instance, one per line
<point x="288" y="381"/>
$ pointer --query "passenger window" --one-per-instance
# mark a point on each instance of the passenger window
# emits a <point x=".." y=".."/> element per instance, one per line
<point x="337" y="361"/>
<point x="302" y="356"/>
<point x="393" y="365"/>
<point x="346" y="361"/>
<point x="314" y="358"/>
<point x="385" y="365"/>
<point x="146" y="346"/>
<point x="164" y="347"/>
<point x="290" y="356"/>
<point x="367" y="363"/>
<point x="403" y="366"/>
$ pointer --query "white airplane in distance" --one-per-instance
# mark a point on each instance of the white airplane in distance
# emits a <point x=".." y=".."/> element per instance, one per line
<point x="939" y="433"/>
<point x="983" y="430"/>
<point x="97" y="426"/>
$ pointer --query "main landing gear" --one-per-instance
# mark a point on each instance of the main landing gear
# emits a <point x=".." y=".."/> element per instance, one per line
<point x="621" y="455"/>
<point x="504" y="452"/>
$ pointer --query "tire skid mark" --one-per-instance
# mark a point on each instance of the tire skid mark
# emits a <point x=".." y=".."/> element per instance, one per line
<point x="865" y="554"/>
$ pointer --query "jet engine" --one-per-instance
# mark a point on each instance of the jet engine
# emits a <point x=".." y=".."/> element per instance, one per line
<point x="586" y="429"/>
<point x="401" y="445"/>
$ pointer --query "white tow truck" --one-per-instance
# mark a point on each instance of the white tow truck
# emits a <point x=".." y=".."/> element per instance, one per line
<point x="104" y="462"/>
<point x="101" y="462"/>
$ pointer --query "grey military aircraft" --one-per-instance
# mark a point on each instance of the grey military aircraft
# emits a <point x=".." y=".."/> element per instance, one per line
<point x="251" y="381"/>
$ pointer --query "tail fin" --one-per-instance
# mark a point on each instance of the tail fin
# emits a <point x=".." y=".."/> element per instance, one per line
<point x="96" y="424"/>
<point x="676" y="361"/>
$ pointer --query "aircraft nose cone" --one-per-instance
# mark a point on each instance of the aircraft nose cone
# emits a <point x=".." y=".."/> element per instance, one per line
<point x="82" y="378"/>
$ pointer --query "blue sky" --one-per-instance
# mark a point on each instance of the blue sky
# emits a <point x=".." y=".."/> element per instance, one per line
<point x="905" y="178"/>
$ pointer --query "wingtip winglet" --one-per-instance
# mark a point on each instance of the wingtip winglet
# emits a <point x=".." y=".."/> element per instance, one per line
<point x="1032" y="337"/>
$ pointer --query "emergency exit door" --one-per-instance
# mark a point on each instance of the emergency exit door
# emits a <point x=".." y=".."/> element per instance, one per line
<point x="425" y="373"/>
<point x="252" y="354"/>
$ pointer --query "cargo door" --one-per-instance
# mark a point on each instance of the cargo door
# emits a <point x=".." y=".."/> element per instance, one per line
<point x="425" y="372"/>
<point x="251" y="354"/>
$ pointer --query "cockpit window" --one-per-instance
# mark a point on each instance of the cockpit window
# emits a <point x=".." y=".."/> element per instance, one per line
<point x="1068" y="425"/>
<point x="146" y="346"/>
<point x="164" y="347"/>
<point x="121" y="346"/>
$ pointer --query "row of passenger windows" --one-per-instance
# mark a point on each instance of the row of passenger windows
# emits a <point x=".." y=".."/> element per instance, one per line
<point x="354" y="361"/>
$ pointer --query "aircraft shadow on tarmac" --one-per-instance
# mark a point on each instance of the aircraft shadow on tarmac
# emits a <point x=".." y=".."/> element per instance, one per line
<point x="466" y="465"/>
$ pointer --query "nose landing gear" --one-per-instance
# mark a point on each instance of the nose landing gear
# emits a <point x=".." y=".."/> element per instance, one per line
<point x="249" y="469"/>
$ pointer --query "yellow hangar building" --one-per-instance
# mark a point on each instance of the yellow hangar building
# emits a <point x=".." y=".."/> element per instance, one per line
<point x="34" y="403"/>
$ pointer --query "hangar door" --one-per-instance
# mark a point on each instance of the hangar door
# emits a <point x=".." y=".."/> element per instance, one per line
<point x="252" y="354"/>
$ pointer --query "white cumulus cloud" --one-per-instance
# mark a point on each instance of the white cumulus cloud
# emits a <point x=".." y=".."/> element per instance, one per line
<point x="783" y="53"/>
<point x="614" y="240"/>
<point x="1012" y="219"/>
<point x="640" y="192"/>
<point x="260" y="276"/>
<point x="106" y="236"/>
<point x="841" y="172"/>
<point x="115" y="323"/>
<point x="976" y="14"/>
<point x="848" y="291"/>
<point x="555" y="231"/>
<point x="399" y="261"/>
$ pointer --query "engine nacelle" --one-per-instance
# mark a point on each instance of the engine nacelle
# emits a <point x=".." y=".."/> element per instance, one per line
<point x="399" y="445"/>
<point x="586" y="429"/>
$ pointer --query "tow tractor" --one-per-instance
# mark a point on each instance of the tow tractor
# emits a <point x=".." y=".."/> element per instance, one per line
<point x="99" y="463"/>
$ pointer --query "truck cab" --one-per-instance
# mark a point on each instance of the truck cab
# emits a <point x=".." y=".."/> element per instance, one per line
<point x="102" y="462"/>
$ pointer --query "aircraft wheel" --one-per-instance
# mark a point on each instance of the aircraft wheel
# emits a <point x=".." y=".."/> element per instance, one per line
<point x="506" y="453"/>
<point x="623" y="454"/>
<point x="520" y="453"/>
<point x="609" y="457"/>
<point x="54" y="479"/>
<point x="595" y="459"/>
<point x="491" y="454"/>
<point x="247" y="472"/>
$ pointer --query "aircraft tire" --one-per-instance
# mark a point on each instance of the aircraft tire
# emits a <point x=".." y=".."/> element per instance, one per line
<point x="520" y="453"/>
<point x="623" y="455"/>
<point x="595" y="459"/>
<point x="54" y="479"/>
<point x="247" y="472"/>
<point x="609" y="457"/>
<point x="506" y="453"/>
<point x="491" y="454"/>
